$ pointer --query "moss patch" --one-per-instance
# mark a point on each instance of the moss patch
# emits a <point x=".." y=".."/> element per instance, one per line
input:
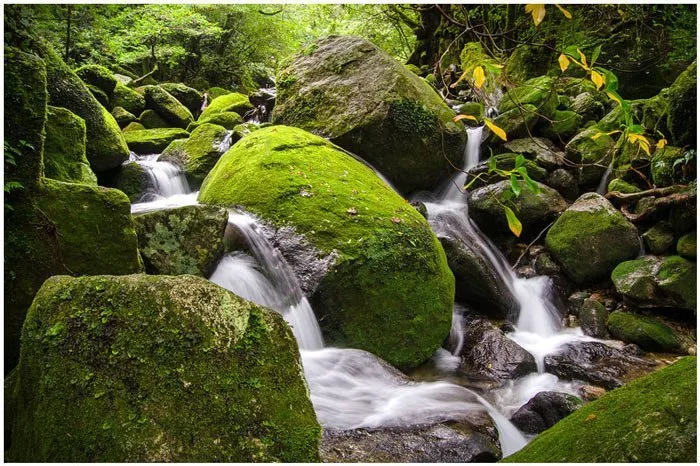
<point x="98" y="76"/>
<point x="64" y="148"/>
<point x="153" y="141"/>
<point x="646" y="332"/>
<point x="233" y="102"/>
<point x="167" y="107"/>
<point x="652" y="419"/>
<point x="128" y="98"/>
<point x="199" y="153"/>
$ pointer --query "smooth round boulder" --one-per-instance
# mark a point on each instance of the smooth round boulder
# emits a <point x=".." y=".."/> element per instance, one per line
<point x="388" y="289"/>
<point x="133" y="368"/>
<point x="590" y="238"/>
<point x="348" y="90"/>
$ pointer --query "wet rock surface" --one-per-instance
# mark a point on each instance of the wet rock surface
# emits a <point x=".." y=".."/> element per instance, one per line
<point x="544" y="410"/>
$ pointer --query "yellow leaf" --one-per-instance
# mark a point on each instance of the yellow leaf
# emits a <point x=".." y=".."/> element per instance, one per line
<point x="462" y="116"/>
<point x="590" y="417"/>
<point x="479" y="77"/>
<point x="583" y="59"/>
<point x="563" y="62"/>
<point x="661" y="144"/>
<point x="513" y="222"/>
<point x="614" y="97"/>
<point x="641" y="141"/>
<point x="596" y="136"/>
<point x="497" y="131"/>
<point x="537" y="10"/>
<point x="563" y="11"/>
<point x="461" y="78"/>
<point x="597" y="79"/>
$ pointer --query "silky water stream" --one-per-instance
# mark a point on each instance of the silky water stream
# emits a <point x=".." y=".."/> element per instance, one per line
<point x="352" y="388"/>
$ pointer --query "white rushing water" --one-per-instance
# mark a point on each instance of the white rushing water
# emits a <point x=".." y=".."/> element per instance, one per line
<point x="168" y="187"/>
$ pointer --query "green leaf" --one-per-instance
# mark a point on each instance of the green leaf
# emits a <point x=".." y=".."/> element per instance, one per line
<point x="513" y="223"/>
<point x="636" y="129"/>
<point x="492" y="164"/>
<point x="595" y="55"/>
<point x="610" y="81"/>
<point x="519" y="161"/>
<point x="507" y="195"/>
<point x="514" y="185"/>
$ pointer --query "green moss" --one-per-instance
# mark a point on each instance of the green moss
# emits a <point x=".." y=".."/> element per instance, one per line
<point x="475" y="109"/>
<point x="153" y="368"/>
<point x="646" y="332"/>
<point x="682" y="108"/>
<point x="232" y="102"/>
<point x="564" y="124"/>
<point x="132" y="180"/>
<point x="188" y="240"/>
<point x="25" y="101"/>
<point x="659" y="238"/>
<point x="133" y="126"/>
<point x="517" y="123"/>
<point x="64" y="148"/>
<point x="167" y="107"/>
<point x="536" y="91"/>
<point x="215" y="92"/>
<point x="687" y="245"/>
<point x="619" y="185"/>
<point x="226" y="119"/>
<point x="390" y="271"/>
<point x="199" y="153"/>
<point x="663" y="171"/>
<point x="187" y="96"/>
<point x="128" y="98"/>
<point x="122" y="116"/>
<point x="409" y="116"/>
<point x="98" y="94"/>
<point x="413" y="69"/>
<point x="652" y="419"/>
<point x="151" y="120"/>
<point x="527" y="62"/>
<point x="152" y="141"/>
<point x="98" y="76"/>
<point x="590" y="238"/>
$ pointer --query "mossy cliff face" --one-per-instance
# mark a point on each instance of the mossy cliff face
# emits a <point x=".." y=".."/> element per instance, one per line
<point x="652" y="419"/>
<point x="351" y="92"/>
<point x="199" y="153"/>
<point x="590" y="238"/>
<point x="390" y="291"/>
<point x="65" y="229"/>
<point x="25" y="117"/>
<point x="64" y="148"/>
<point x="105" y="146"/>
<point x="156" y="368"/>
<point x="188" y="240"/>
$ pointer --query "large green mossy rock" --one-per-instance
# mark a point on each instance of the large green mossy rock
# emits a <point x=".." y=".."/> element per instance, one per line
<point x="167" y="106"/>
<point x="187" y="240"/>
<point x="98" y="76"/>
<point x="67" y="228"/>
<point x="232" y="102"/>
<point x="590" y="238"/>
<point x="538" y="92"/>
<point x="687" y="245"/>
<point x="228" y="120"/>
<point x="64" y="148"/>
<point x="652" y="281"/>
<point x="151" y="120"/>
<point x="25" y="117"/>
<point x="128" y="99"/>
<point x="158" y="369"/>
<point x="351" y="92"/>
<point x="199" y="153"/>
<point x="123" y="116"/>
<point x="652" y="419"/>
<point x="646" y="332"/>
<point x="187" y="96"/>
<point x="153" y="141"/>
<point x="105" y="145"/>
<point x="682" y="108"/>
<point x="593" y="151"/>
<point x="132" y="180"/>
<point x="388" y="289"/>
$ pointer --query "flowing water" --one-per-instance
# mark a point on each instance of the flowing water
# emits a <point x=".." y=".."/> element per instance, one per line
<point x="167" y="187"/>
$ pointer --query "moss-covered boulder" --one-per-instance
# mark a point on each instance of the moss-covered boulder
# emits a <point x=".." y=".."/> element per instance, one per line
<point x="167" y="106"/>
<point x="668" y="167"/>
<point x="67" y="228"/>
<point x="128" y="99"/>
<point x="646" y="332"/>
<point x="133" y="126"/>
<point x="64" y="148"/>
<point x="687" y="245"/>
<point x="540" y="150"/>
<point x="348" y="90"/>
<point x="388" y="289"/>
<point x="564" y="124"/>
<point x="187" y="96"/>
<point x="534" y="210"/>
<point x="199" y="153"/>
<point x="682" y="108"/>
<point x="123" y="116"/>
<point x="25" y="101"/>
<point x="99" y="94"/>
<point x="588" y="106"/>
<point x="622" y="186"/>
<point x="98" y="76"/>
<point x="659" y="238"/>
<point x="652" y="419"/>
<point x="151" y="120"/>
<point x="593" y="151"/>
<point x="152" y="141"/>
<point x="217" y="91"/>
<point x="590" y="238"/>
<point x="158" y="369"/>
<point x="527" y="62"/>
<point x="593" y="317"/>
<point x="517" y="123"/>
<point x="538" y="92"/>
<point x="228" y="120"/>
<point x="658" y="282"/>
<point x="105" y="147"/>
<point x="187" y="240"/>
<point x="232" y="102"/>
<point x="132" y="180"/>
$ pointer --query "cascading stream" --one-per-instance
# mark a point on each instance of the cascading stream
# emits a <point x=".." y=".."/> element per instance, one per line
<point x="168" y="186"/>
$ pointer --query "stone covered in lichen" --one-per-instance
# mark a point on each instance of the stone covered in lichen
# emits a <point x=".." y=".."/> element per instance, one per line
<point x="199" y="153"/>
<point x="646" y="332"/>
<point x="158" y="369"/>
<point x="590" y="238"/>
<point x="25" y="116"/>
<point x="152" y="141"/>
<point x="128" y="99"/>
<point x="187" y="240"/>
<point x="67" y="228"/>
<point x="232" y="102"/>
<point x="652" y="419"/>
<point x="658" y="281"/>
<point x="105" y="146"/>
<point x="167" y="106"/>
<point x="348" y="90"/>
<point x="64" y="148"/>
<point x="389" y="290"/>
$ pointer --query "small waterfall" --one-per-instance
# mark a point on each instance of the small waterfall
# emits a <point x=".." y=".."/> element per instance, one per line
<point x="602" y="188"/>
<point x="225" y="143"/>
<point x="453" y="191"/>
<point x="168" y="186"/>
